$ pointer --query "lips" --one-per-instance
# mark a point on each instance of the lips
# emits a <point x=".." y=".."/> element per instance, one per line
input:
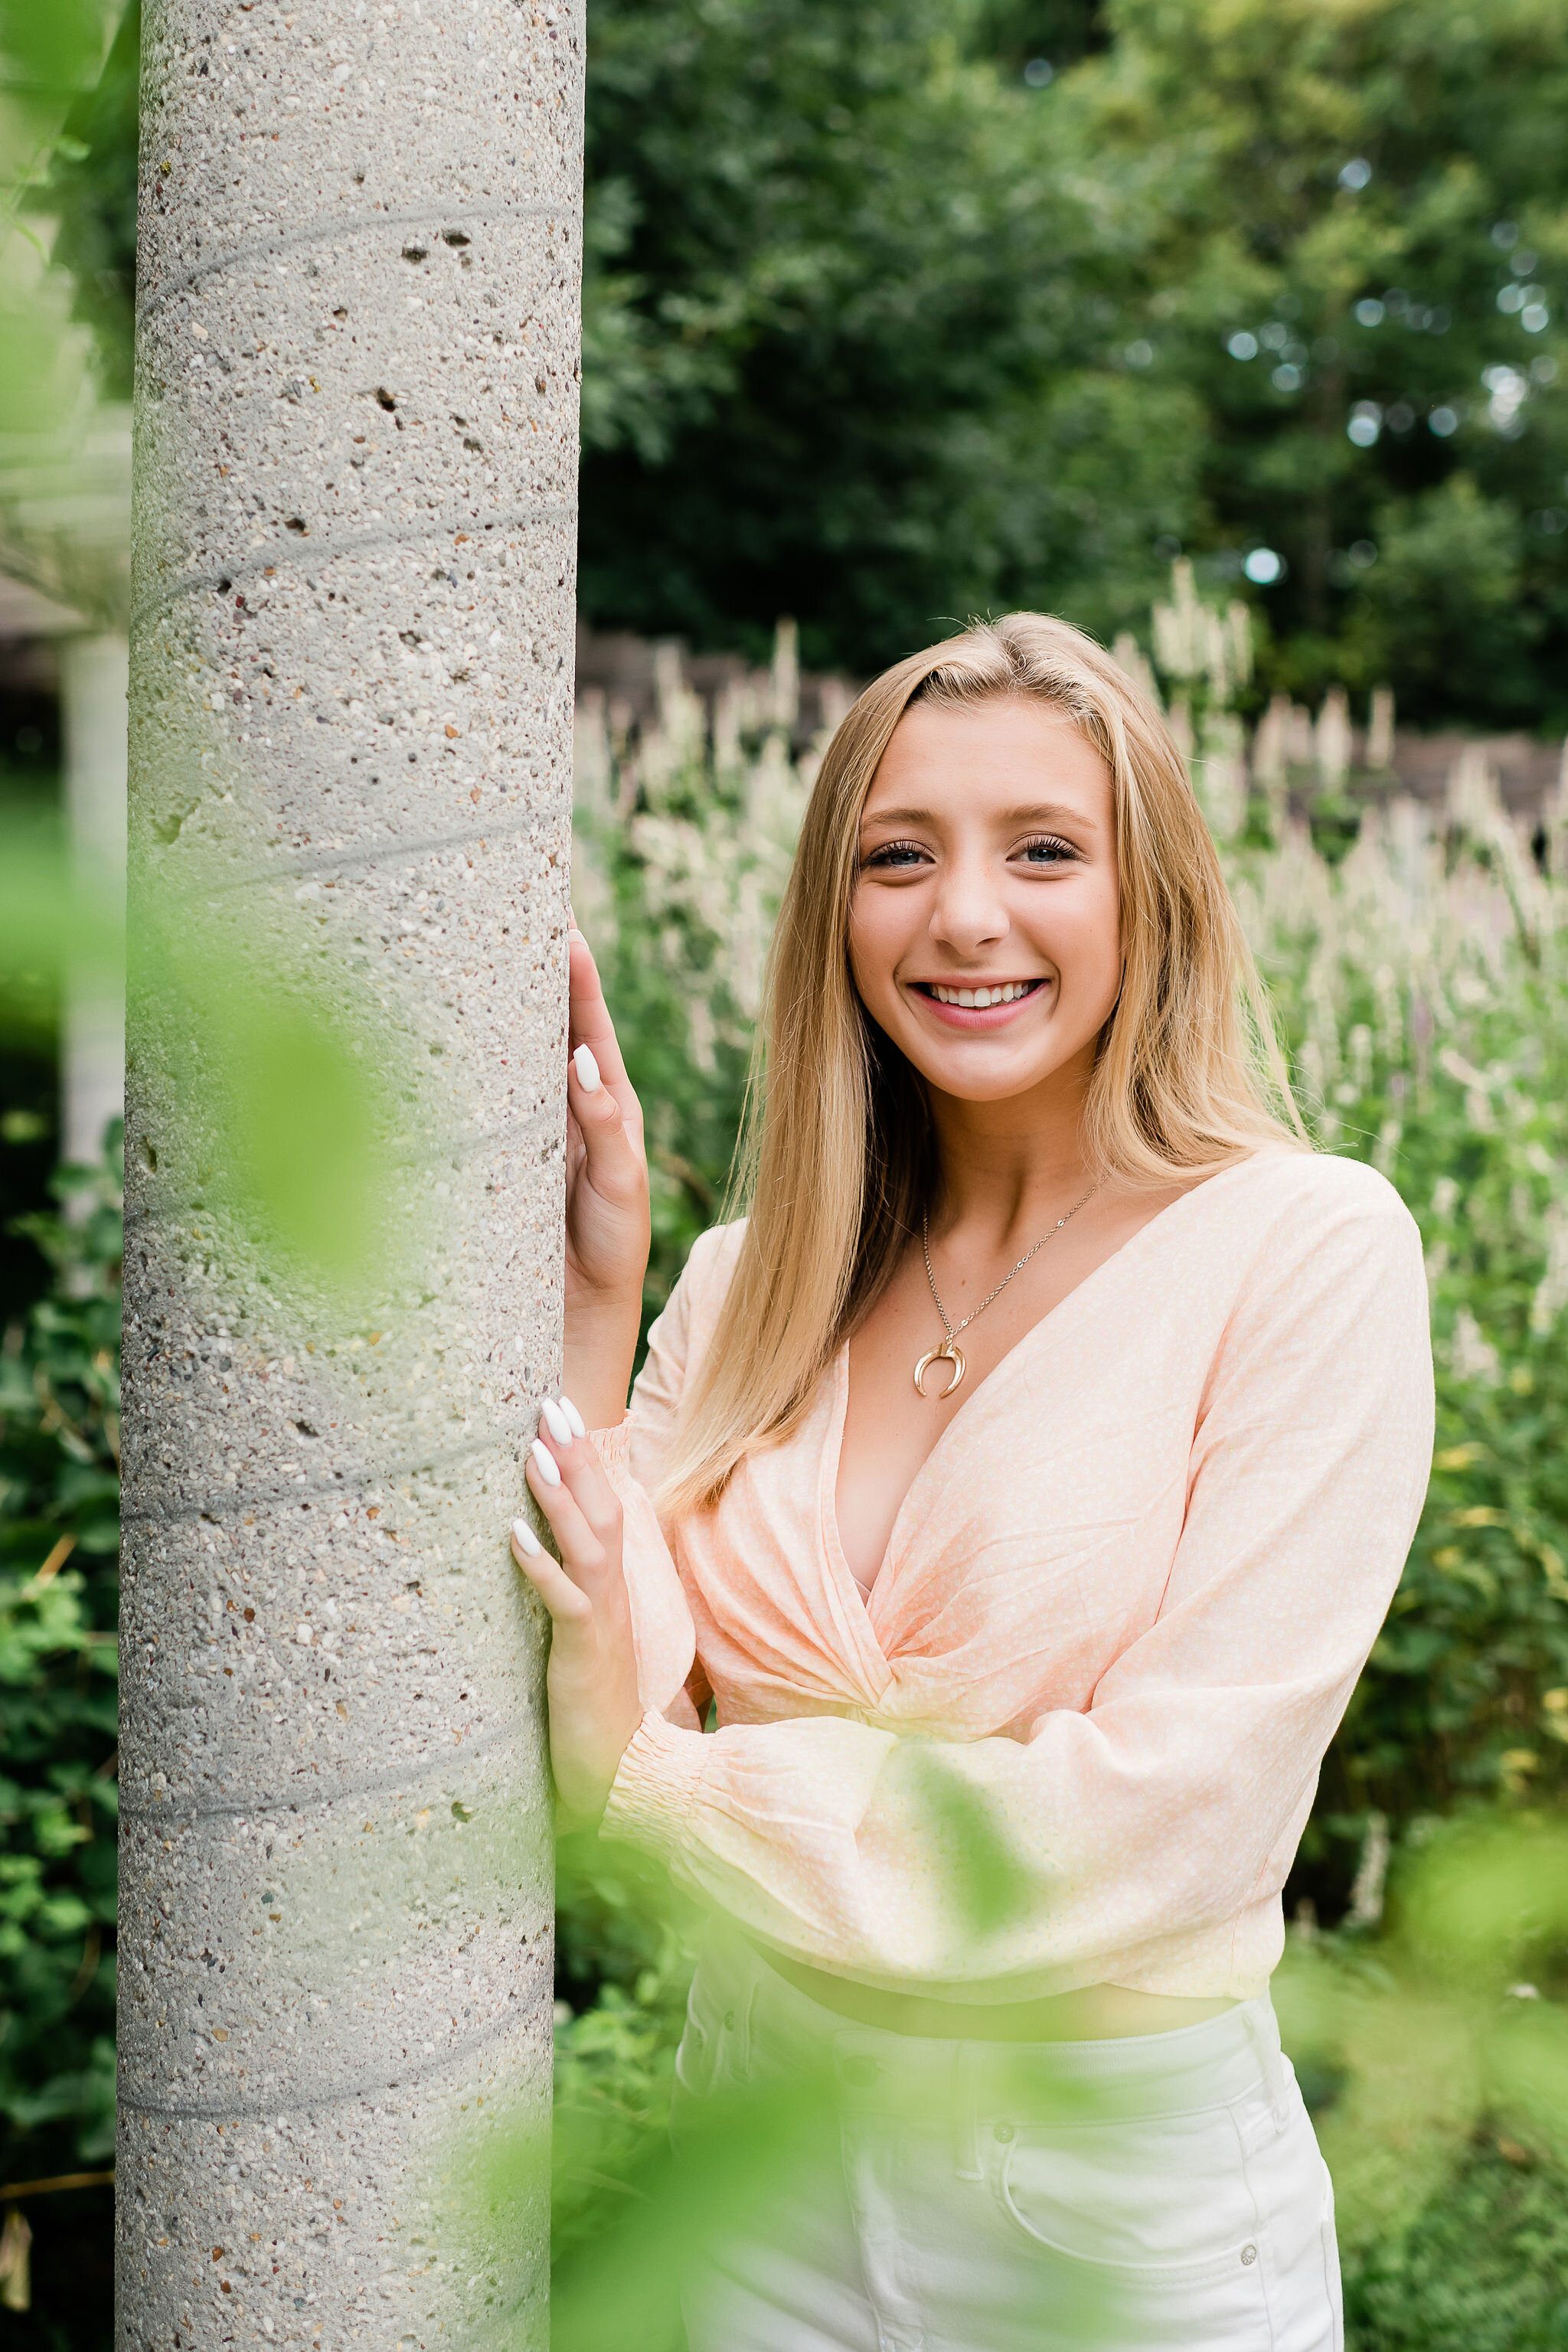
<point x="1007" y="992"/>
<point x="978" y="1004"/>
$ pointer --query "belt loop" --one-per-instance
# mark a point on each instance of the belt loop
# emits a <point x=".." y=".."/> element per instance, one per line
<point x="964" y="2092"/>
<point x="1264" y="2032"/>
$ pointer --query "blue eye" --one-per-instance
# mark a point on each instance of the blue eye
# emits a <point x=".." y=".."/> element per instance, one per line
<point x="1045" y="849"/>
<point x="896" y="852"/>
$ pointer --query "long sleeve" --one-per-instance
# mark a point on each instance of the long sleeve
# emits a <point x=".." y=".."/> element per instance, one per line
<point x="632" y="1454"/>
<point x="1173" y="1801"/>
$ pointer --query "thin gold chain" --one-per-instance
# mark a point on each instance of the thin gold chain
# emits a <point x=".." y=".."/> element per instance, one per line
<point x="953" y="1330"/>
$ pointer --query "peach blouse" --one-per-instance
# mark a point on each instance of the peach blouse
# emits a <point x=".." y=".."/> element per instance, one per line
<point x="1122" y="1612"/>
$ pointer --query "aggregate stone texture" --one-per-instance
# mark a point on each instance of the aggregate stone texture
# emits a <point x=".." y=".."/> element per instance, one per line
<point x="352" y="607"/>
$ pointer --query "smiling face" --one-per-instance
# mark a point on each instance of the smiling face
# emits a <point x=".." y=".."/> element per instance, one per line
<point x="985" y="934"/>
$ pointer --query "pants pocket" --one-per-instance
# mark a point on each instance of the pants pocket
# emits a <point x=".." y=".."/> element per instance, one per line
<point x="1151" y="2226"/>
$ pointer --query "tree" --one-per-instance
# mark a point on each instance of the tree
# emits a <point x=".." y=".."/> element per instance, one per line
<point x="351" y="702"/>
<point x="893" y="314"/>
<point x="1351" y="220"/>
<point x="851" y="340"/>
<point x="836" y="359"/>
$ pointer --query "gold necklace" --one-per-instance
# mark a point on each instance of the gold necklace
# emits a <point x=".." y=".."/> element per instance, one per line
<point x="950" y="1352"/>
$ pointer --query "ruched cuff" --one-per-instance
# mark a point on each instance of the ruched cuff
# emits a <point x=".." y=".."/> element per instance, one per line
<point x="655" y="1786"/>
<point x="614" y="1448"/>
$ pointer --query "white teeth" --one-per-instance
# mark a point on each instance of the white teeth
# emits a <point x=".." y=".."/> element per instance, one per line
<point x="981" y="999"/>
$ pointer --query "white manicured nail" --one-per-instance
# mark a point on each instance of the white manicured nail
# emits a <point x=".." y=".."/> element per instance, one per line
<point x="525" y="1539"/>
<point x="555" y="1421"/>
<point x="544" y="1463"/>
<point x="579" y="1426"/>
<point x="587" y="1070"/>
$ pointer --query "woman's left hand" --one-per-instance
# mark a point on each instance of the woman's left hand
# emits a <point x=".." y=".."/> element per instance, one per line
<point x="593" y="1676"/>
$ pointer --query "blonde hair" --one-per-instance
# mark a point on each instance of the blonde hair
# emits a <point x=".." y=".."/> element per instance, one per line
<point x="838" y="1160"/>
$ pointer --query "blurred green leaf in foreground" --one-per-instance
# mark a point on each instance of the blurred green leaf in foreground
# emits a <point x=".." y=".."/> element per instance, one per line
<point x="275" y="1063"/>
<point x="281" y="1093"/>
<point x="1437" y="2071"/>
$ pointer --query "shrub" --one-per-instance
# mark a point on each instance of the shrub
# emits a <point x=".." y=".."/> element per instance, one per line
<point x="59" y="1417"/>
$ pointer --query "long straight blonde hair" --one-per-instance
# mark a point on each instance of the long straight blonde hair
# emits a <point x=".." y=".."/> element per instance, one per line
<point x="838" y="1160"/>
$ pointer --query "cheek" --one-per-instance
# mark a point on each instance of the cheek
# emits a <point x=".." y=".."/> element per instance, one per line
<point x="1108" y="937"/>
<point x="1081" y="933"/>
<point x="875" y="941"/>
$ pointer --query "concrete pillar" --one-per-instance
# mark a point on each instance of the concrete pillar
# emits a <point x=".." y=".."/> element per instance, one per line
<point x="351" y="705"/>
<point x="92" y="1055"/>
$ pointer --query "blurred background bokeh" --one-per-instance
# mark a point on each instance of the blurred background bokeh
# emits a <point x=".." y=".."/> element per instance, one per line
<point x="1234" y="331"/>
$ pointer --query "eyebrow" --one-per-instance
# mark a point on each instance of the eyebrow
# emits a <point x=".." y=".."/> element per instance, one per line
<point x="1028" y="813"/>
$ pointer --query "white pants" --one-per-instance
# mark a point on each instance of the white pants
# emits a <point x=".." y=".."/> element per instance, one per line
<point x="1161" y="2194"/>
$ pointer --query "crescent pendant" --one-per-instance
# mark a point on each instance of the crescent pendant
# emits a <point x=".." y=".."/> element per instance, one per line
<point x="947" y="1353"/>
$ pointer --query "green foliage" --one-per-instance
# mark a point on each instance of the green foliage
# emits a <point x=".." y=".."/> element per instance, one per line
<point x="1389" y="2043"/>
<point x="1450" y="589"/>
<point x="47" y="58"/>
<point x="846" y="328"/>
<point x="91" y="190"/>
<point x="1338" y="214"/>
<point x="680" y="859"/>
<point x="1486" y="1906"/>
<point x="624" y="1952"/>
<point x="619" y="2290"/>
<point x="1057" y="33"/>
<point x="879" y="334"/>
<point x="50" y="58"/>
<point x="1424" y="989"/>
<point x="59" y="1420"/>
<point x="694" y="1111"/>
<point x="1483" y="2269"/>
<point x="300" y="1133"/>
<point x="295" y="1125"/>
<point x="881" y="331"/>
<point x="49" y="918"/>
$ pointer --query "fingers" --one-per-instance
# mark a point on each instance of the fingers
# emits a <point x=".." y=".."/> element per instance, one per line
<point x="561" y="1584"/>
<point x="567" y="1603"/>
<point x="601" y="1101"/>
<point x="599" y="1114"/>
<point x="594" y="1700"/>
<point x="582" y="1555"/>
<point x="568" y="1483"/>
<point x="563" y="1438"/>
<point x="591" y="1025"/>
<point x="589" y="1014"/>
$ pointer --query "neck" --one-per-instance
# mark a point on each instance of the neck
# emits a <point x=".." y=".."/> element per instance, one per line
<point x="1013" y="1163"/>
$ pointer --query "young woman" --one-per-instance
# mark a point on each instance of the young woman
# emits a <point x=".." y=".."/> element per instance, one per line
<point x="1030" y="1472"/>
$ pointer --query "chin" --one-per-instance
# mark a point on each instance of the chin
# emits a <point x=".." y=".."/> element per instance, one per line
<point x="971" y="1086"/>
<point x="974" y="1077"/>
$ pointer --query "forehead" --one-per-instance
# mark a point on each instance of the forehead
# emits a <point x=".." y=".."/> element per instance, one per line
<point x="1002" y="754"/>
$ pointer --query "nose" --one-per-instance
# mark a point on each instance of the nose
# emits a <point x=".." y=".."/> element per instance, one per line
<point x="969" y="914"/>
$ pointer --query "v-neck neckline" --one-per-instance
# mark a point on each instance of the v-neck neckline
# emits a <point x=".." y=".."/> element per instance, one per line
<point x="833" y="1440"/>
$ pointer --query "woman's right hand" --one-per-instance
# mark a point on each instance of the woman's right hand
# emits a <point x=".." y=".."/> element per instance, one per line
<point x="607" y="1230"/>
